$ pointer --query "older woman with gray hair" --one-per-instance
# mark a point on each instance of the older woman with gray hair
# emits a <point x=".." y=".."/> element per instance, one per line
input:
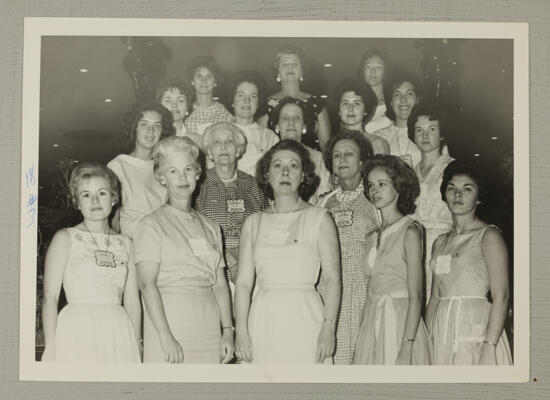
<point x="179" y="258"/>
<point x="228" y="195"/>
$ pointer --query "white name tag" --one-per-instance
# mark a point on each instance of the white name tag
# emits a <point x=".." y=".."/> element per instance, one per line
<point x="199" y="247"/>
<point x="235" y="206"/>
<point x="277" y="237"/>
<point x="343" y="218"/>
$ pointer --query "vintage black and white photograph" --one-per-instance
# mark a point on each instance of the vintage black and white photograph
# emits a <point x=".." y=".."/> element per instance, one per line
<point x="274" y="201"/>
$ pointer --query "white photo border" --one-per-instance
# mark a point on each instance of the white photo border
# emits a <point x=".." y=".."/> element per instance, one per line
<point x="35" y="28"/>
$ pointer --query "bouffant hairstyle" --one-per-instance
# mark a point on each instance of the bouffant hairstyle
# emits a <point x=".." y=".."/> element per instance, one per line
<point x="382" y="54"/>
<point x="175" y="84"/>
<point x="395" y="83"/>
<point x="434" y="112"/>
<point x="238" y="136"/>
<point x="254" y="78"/>
<point x="474" y="172"/>
<point x="207" y="62"/>
<point x="311" y="180"/>
<point x="137" y="111"/>
<point x="91" y="170"/>
<point x="285" y="50"/>
<point x="403" y="178"/>
<point x="174" y="144"/>
<point x="365" y="147"/>
<point x="309" y="120"/>
<point x="361" y="89"/>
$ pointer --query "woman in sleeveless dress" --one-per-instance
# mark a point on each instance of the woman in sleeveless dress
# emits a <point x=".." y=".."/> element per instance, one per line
<point x="468" y="263"/>
<point x="146" y="123"/>
<point x="356" y="218"/>
<point x="282" y="250"/>
<point x="288" y="71"/>
<point x="392" y="330"/>
<point x="102" y="319"/>
<point x="179" y="258"/>
<point x="428" y="128"/>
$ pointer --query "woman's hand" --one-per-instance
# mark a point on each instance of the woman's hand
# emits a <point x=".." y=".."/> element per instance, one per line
<point x="243" y="347"/>
<point x="227" y="345"/>
<point x="173" y="353"/>
<point x="404" y="357"/>
<point x="48" y="355"/>
<point x="488" y="355"/>
<point x="326" y="342"/>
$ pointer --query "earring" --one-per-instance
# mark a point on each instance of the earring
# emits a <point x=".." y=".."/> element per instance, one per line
<point x="304" y="130"/>
<point x="301" y="78"/>
<point x="278" y="79"/>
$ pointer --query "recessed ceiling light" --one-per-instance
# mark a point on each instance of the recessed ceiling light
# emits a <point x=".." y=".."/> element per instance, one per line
<point x="83" y="70"/>
<point x="494" y="138"/>
<point x="476" y="155"/>
<point x="215" y="98"/>
<point x="75" y="161"/>
<point x="324" y="96"/>
<point x="55" y="145"/>
<point x="327" y="65"/>
<point x="108" y="100"/>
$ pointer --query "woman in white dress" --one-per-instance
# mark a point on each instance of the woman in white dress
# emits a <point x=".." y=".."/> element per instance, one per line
<point x="281" y="251"/>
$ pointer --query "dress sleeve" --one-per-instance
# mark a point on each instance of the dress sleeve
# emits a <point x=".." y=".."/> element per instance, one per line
<point x="147" y="241"/>
<point x="317" y="104"/>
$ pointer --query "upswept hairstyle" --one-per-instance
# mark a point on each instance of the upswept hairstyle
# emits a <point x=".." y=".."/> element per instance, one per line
<point x="90" y="170"/>
<point x="238" y="136"/>
<point x="311" y="180"/>
<point x="434" y="112"/>
<point x="309" y="121"/>
<point x="365" y="147"/>
<point x="395" y="83"/>
<point x="136" y="112"/>
<point x="284" y="50"/>
<point x="361" y="89"/>
<point x="403" y="178"/>
<point x="254" y="78"/>
<point x="176" y="84"/>
<point x="207" y="62"/>
<point x="173" y="144"/>
<point x="369" y="54"/>
<point x="475" y="172"/>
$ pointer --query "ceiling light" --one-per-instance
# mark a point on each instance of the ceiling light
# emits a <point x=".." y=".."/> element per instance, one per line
<point x="476" y="155"/>
<point x="494" y="138"/>
<point x="327" y="65"/>
<point x="83" y="70"/>
<point x="324" y="96"/>
<point x="108" y="100"/>
<point x="55" y="145"/>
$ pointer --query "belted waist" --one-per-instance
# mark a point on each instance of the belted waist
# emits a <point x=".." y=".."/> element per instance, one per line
<point x="287" y="286"/>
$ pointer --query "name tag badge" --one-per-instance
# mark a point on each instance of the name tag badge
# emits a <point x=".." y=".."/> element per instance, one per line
<point x="235" y="206"/>
<point x="277" y="237"/>
<point x="343" y="218"/>
<point x="199" y="247"/>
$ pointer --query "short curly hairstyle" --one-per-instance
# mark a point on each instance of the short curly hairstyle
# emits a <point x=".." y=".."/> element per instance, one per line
<point x="473" y="171"/>
<point x="309" y="119"/>
<point x="361" y="89"/>
<point x="365" y="147"/>
<point x="238" y="136"/>
<point x="382" y="54"/>
<point x="395" y="83"/>
<point x="90" y="170"/>
<point x="173" y="144"/>
<point x="207" y="62"/>
<point x="434" y="112"/>
<point x="311" y="181"/>
<point x="254" y="78"/>
<point x="285" y="50"/>
<point x="136" y="112"/>
<point x="403" y="178"/>
<point x="184" y="89"/>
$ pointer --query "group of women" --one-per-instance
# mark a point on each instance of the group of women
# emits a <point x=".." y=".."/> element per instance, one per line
<point x="268" y="238"/>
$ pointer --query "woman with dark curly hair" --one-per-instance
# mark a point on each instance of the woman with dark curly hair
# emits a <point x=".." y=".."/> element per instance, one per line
<point x="469" y="263"/>
<point x="356" y="104"/>
<point x="282" y="249"/>
<point x="247" y="95"/>
<point x="146" y="123"/>
<point x="176" y="97"/>
<point x="203" y="75"/>
<point x="288" y="71"/>
<point x="392" y="330"/>
<point x="405" y="94"/>
<point x="356" y="219"/>
<point x="374" y="70"/>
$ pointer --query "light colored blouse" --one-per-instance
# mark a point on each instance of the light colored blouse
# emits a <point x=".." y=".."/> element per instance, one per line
<point x="259" y="140"/>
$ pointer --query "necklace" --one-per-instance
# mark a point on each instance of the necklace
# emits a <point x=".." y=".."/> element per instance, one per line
<point x="275" y="211"/>
<point x="103" y="258"/>
<point x="349" y="195"/>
